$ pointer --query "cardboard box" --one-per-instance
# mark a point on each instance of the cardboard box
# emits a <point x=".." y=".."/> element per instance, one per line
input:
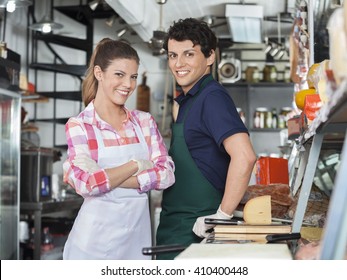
<point x="271" y="171"/>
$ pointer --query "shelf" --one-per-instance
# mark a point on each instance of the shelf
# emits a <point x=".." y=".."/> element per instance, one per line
<point x="330" y="125"/>
<point x="61" y="147"/>
<point x="84" y="14"/>
<point x="66" y="95"/>
<point x="52" y="206"/>
<point x="332" y="116"/>
<point x="75" y="70"/>
<point x="266" y="130"/>
<point x="56" y="120"/>
<point x="9" y="63"/>
<point x="70" y="42"/>
<point x="260" y="84"/>
<point x="37" y="209"/>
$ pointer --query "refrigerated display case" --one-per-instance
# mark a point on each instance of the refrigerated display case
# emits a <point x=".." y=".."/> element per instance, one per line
<point x="10" y="121"/>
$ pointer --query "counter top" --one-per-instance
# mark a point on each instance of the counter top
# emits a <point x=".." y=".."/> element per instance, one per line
<point x="236" y="251"/>
<point x="70" y="202"/>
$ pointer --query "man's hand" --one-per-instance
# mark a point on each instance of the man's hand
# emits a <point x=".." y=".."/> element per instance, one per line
<point x="200" y="227"/>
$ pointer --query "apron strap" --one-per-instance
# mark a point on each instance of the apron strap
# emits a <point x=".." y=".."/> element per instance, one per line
<point x="202" y="85"/>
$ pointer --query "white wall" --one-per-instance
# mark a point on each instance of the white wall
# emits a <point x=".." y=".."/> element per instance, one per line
<point x="16" y="38"/>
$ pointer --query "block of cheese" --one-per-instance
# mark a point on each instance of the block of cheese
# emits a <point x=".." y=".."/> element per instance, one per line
<point x="257" y="211"/>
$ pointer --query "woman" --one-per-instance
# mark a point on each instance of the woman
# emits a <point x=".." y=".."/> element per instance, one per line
<point x="115" y="156"/>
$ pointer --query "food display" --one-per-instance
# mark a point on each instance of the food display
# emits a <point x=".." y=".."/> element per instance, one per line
<point x="258" y="210"/>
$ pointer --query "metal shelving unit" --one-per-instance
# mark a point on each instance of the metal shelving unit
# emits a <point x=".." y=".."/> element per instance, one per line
<point x="249" y="96"/>
<point x="330" y="123"/>
<point x="84" y="15"/>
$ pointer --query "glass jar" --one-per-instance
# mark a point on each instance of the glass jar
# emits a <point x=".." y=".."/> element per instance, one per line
<point x="3" y="49"/>
<point x="286" y="75"/>
<point x="260" y="115"/>
<point x="252" y="73"/>
<point x="283" y="117"/>
<point x="268" y="119"/>
<point x="242" y="115"/>
<point x="270" y="72"/>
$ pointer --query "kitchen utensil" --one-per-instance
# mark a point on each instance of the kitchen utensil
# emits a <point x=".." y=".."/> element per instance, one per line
<point x="163" y="249"/>
<point x="272" y="238"/>
<point x="269" y="238"/>
<point x="143" y="95"/>
<point x="233" y="221"/>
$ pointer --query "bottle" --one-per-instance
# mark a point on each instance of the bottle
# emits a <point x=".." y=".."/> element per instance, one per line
<point x="256" y="121"/>
<point x="3" y="49"/>
<point x="47" y="240"/>
<point x="284" y="116"/>
<point x="31" y="244"/>
<point x="268" y="122"/>
<point x="241" y="114"/>
<point x="286" y="75"/>
<point x="274" y="118"/>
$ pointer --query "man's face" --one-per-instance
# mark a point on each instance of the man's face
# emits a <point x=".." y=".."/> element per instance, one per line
<point x="187" y="63"/>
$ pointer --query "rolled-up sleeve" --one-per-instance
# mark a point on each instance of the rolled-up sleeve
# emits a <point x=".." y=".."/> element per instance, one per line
<point x="84" y="183"/>
<point x="162" y="175"/>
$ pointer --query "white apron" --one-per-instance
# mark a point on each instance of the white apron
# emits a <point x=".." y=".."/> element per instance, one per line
<point x="115" y="225"/>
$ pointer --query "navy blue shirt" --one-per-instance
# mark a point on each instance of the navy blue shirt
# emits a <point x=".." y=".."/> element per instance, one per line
<point x="211" y="119"/>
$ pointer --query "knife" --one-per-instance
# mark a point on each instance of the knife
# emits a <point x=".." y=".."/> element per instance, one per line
<point x="163" y="249"/>
<point x="227" y="241"/>
<point x="211" y="221"/>
<point x="272" y="238"/>
<point x="233" y="221"/>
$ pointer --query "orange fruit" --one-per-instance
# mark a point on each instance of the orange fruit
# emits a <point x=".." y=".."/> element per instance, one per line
<point x="311" y="75"/>
<point x="300" y="97"/>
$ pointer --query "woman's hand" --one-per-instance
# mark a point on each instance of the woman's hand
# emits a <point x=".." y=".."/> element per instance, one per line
<point x="85" y="163"/>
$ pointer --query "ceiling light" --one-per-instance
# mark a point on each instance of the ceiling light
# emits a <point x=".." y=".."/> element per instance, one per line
<point x="121" y="32"/>
<point x="244" y="22"/>
<point x="110" y="21"/>
<point x="11" y="5"/>
<point x="94" y="4"/>
<point x="46" y="25"/>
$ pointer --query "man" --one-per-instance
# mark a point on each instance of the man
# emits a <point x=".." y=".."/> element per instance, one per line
<point x="210" y="145"/>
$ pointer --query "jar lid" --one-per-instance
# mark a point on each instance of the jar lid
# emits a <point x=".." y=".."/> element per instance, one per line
<point x="262" y="109"/>
<point x="252" y="64"/>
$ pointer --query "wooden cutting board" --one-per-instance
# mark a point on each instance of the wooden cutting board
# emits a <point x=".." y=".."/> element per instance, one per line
<point x="143" y="95"/>
<point x="243" y="228"/>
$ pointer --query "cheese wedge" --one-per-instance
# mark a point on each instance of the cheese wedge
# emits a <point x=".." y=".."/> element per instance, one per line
<point x="257" y="211"/>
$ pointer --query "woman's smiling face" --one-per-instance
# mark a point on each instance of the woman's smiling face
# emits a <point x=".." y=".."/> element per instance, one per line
<point x="118" y="81"/>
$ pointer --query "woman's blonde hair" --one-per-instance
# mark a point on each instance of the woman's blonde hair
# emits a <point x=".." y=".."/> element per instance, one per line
<point x="104" y="53"/>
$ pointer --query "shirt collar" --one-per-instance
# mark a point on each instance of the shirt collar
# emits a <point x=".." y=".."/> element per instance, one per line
<point x="194" y="90"/>
<point x="90" y="116"/>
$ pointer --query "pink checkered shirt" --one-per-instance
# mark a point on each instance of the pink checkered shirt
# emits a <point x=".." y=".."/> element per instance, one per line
<point x="81" y="140"/>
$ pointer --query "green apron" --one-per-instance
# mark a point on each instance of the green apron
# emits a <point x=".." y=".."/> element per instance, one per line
<point x="190" y="197"/>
